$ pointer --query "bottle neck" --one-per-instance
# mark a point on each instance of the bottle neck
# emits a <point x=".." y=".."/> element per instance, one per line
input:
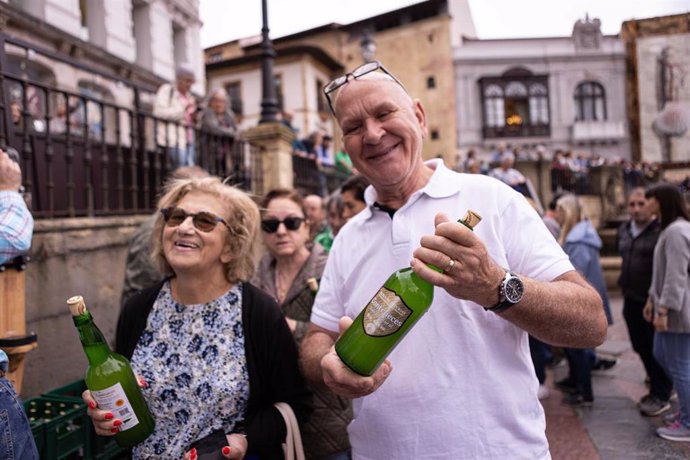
<point x="92" y="339"/>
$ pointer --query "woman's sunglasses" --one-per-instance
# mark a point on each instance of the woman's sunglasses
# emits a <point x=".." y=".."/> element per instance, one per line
<point x="291" y="223"/>
<point x="202" y="221"/>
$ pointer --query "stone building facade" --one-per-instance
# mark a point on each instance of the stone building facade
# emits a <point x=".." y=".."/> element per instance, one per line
<point x="50" y="44"/>
<point x="415" y="43"/>
<point x="561" y="93"/>
<point x="138" y="40"/>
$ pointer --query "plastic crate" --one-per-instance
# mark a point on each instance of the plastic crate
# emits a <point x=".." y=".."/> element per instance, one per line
<point x="102" y="447"/>
<point x="60" y="428"/>
<point x="71" y="392"/>
<point x="38" y="433"/>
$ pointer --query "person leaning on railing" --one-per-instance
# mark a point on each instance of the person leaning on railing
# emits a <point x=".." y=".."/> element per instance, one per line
<point x="16" y="228"/>
<point x="217" y="119"/>
<point x="176" y="106"/>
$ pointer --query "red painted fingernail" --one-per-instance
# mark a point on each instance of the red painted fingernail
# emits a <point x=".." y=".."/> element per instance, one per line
<point x="92" y="405"/>
<point x="114" y="430"/>
<point x="117" y="423"/>
<point x="142" y="383"/>
<point x="193" y="451"/>
<point x="193" y="456"/>
<point x="226" y="450"/>
<point x="109" y="416"/>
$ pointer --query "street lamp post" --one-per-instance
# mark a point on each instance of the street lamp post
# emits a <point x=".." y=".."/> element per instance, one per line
<point x="269" y="104"/>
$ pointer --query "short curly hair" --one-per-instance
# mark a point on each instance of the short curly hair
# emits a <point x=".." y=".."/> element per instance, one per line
<point x="241" y="214"/>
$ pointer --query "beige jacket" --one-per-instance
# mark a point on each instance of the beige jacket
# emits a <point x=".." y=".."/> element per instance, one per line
<point x="169" y="106"/>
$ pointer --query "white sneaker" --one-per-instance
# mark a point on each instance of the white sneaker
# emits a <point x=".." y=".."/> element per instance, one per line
<point x="675" y="432"/>
<point x="543" y="392"/>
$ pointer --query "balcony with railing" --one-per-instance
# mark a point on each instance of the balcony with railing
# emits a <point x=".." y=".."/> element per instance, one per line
<point x="598" y="130"/>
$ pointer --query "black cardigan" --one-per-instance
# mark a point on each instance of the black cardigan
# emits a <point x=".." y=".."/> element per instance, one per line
<point x="272" y="365"/>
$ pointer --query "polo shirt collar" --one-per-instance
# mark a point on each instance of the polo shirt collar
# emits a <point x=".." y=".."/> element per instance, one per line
<point x="441" y="184"/>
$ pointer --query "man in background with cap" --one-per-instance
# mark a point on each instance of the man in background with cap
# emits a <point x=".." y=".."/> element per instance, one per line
<point x="176" y="105"/>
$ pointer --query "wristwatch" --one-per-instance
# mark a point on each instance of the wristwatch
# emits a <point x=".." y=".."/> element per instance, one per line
<point x="510" y="292"/>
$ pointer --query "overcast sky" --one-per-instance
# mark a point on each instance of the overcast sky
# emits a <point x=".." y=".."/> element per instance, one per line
<point x="226" y="20"/>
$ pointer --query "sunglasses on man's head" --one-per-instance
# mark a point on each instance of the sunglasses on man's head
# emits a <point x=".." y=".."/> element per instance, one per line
<point x="202" y="221"/>
<point x="355" y="74"/>
<point x="271" y="225"/>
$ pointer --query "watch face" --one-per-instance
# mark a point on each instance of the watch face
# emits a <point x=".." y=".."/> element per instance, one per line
<point x="514" y="290"/>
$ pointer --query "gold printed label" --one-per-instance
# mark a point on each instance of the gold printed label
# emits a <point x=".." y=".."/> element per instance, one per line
<point x="385" y="314"/>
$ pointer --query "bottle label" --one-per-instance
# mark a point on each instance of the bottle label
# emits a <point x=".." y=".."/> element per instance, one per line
<point x="113" y="399"/>
<point x="385" y="314"/>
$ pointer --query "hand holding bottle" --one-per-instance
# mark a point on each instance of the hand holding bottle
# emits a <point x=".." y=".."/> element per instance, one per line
<point x="395" y="308"/>
<point x="472" y="275"/>
<point x="104" y="422"/>
<point x="111" y="383"/>
<point x="342" y="380"/>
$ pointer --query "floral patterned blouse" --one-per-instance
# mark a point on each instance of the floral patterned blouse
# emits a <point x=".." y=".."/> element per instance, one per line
<point x="193" y="360"/>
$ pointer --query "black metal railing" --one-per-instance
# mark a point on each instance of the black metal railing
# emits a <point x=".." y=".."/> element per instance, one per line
<point x="85" y="156"/>
<point x="309" y="177"/>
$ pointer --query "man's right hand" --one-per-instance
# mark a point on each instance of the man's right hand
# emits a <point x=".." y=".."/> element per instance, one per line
<point x="343" y="381"/>
<point x="10" y="174"/>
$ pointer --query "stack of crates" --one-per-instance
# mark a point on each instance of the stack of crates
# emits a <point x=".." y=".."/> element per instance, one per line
<point x="60" y="428"/>
<point x="95" y="447"/>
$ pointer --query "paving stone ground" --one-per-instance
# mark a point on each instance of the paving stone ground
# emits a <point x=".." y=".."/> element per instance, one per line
<point x="613" y="428"/>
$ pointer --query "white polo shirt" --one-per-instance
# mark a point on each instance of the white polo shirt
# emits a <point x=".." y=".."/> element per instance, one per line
<point x="463" y="385"/>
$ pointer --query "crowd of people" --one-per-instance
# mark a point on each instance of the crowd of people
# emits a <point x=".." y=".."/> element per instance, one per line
<point x="569" y="170"/>
<point x="218" y="336"/>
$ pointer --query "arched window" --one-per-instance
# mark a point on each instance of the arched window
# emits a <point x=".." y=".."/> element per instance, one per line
<point x="494" y="111"/>
<point x="590" y="102"/>
<point x="538" y="104"/>
<point x="20" y="66"/>
<point x="90" y="111"/>
<point x="515" y="104"/>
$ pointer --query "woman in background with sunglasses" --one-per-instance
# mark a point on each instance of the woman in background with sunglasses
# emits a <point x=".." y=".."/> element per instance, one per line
<point x="290" y="272"/>
<point x="214" y="351"/>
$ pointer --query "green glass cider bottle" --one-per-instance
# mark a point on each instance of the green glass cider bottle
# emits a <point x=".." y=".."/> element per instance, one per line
<point x="389" y="316"/>
<point x="111" y="379"/>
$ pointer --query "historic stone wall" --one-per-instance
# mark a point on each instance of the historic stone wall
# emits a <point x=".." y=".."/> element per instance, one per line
<point x="69" y="257"/>
<point x="649" y="50"/>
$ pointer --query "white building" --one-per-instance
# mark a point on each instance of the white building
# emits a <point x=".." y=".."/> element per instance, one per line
<point x="142" y="41"/>
<point x="562" y="92"/>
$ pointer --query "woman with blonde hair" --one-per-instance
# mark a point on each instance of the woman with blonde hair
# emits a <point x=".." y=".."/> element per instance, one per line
<point x="214" y="351"/>
<point x="582" y="243"/>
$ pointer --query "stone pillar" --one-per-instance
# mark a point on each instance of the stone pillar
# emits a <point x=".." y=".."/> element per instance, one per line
<point x="110" y="27"/>
<point x="153" y="35"/>
<point x="65" y="15"/>
<point x="274" y="142"/>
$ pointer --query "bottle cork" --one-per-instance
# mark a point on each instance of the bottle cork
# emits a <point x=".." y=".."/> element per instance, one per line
<point x="471" y="218"/>
<point x="76" y="305"/>
<point x="313" y="284"/>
